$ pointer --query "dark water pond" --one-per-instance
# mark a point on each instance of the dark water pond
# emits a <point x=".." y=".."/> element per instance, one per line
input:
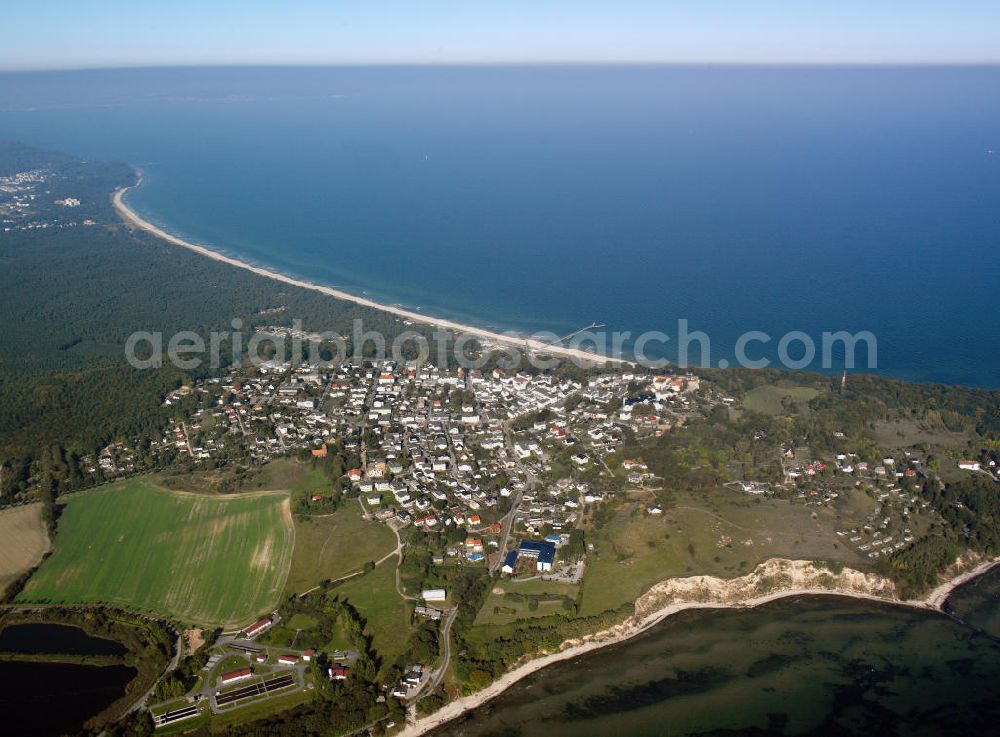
<point x="55" y="638"/>
<point x="38" y="698"/>
<point x="43" y="699"/>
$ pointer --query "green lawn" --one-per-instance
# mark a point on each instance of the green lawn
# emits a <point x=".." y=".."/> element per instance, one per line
<point x="227" y="665"/>
<point x="329" y="547"/>
<point x="211" y="560"/>
<point x="725" y="537"/>
<point x="301" y="622"/>
<point x="375" y="597"/>
<point x="305" y="480"/>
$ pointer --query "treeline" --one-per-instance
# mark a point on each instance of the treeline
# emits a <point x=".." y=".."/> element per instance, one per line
<point x="710" y="451"/>
<point x="16" y="157"/>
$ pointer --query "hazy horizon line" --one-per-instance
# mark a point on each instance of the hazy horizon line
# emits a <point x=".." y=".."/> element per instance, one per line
<point x="509" y="64"/>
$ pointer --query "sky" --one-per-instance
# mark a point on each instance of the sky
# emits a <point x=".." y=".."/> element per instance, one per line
<point x="53" y="34"/>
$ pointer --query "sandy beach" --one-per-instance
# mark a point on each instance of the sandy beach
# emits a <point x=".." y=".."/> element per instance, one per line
<point x="529" y="345"/>
<point x="849" y="583"/>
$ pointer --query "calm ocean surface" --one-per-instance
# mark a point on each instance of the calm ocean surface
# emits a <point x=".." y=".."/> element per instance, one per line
<point x="547" y="198"/>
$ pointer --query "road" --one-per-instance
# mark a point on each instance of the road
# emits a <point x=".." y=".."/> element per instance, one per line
<point x="436" y="677"/>
<point x="507" y="523"/>
<point x="178" y="649"/>
<point x="435" y="680"/>
<point x="187" y="439"/>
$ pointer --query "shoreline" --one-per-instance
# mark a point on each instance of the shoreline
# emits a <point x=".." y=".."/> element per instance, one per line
<point x="937" y="596"/>
<point x="530" y="345"/>
<point x="933" y="601"/>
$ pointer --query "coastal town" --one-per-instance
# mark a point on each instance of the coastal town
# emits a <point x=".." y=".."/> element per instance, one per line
<point x="32" y="200"/>
<point x="492" y="470"/>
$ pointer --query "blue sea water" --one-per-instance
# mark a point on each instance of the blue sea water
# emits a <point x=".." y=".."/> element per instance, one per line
<point x="542" y="198"/>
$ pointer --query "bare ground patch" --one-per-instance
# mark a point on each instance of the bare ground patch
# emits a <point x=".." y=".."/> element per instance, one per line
<point x="23" y="541"/>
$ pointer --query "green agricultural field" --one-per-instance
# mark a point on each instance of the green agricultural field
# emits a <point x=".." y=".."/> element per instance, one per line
<point x="331" y="546"/>
<point x="725" y="537"/>
<point x="211" y="560"/>
<point x="768" y="399"/>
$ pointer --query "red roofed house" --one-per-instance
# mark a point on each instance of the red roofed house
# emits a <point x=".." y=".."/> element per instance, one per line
<point x="339" y="672"/>
<point x="288" y="659"/>
<point x="255" y="629"/>
<point x="308" y="654"/>
<point x="235" y="676"/>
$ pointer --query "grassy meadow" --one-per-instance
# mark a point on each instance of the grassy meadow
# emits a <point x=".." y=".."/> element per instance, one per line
<point x="387" y="615"/>
<point x="768" y="399"/>
<point x="331" y="546"/>
<point x="726" y="537"/>
<point x="502" y="609"/>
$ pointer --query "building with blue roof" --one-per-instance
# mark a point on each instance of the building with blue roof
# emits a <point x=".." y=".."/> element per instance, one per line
<point x="543" y="551"/>
<point x="509" y="562"/>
